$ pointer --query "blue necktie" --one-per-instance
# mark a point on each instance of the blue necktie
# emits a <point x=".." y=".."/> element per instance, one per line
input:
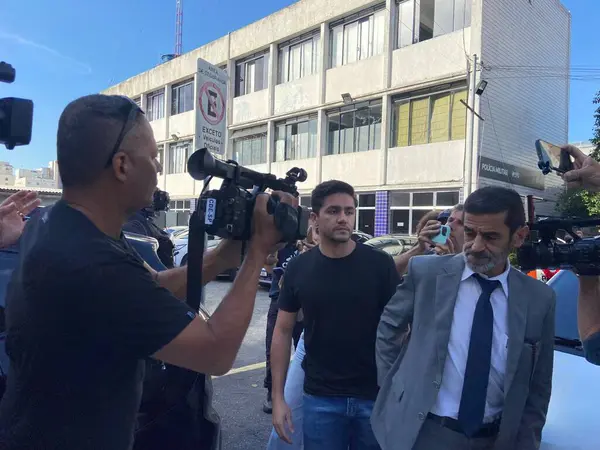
<point x="477" y="372"/>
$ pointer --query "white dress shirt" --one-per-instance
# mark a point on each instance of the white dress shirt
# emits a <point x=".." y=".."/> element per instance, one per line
<point x="449" y="395"/>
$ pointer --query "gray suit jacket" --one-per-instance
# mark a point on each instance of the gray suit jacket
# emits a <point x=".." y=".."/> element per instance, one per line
<point x="410" y="370"/>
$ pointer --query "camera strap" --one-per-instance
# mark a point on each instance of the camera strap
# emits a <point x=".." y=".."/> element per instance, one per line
<point x="196" y="244"/>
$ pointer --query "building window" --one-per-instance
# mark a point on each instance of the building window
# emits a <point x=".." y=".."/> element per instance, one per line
<point x="354" y="128"/>
<point x="155" y="105"/>
<point x="250" y="150"/>
<point x="179" y="205"/>
<point x="420" y="20"/>
<point x="365" y="213"/>
<point x="182" y="97"/>
<point x="296" y="139"/>
<point x="358" y="37"/>
<point x="306" y="201"/>
<point x="178" y="156"/>
<point x="161" y="157"/>
<point x="138" y="101"/>
<point x="298" y="58"/>
<point x="251" y="74"/>
<point x="429" y="119"/>
<point x="407" y="208"/>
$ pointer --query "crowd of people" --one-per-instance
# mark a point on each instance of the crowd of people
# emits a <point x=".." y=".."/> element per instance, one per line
<point x="446" y="346"/>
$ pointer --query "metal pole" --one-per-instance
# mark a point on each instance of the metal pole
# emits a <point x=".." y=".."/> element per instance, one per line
<point x="470" y="128"/>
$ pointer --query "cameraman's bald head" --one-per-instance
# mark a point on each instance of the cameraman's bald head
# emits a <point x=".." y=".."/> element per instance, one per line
<point x="88" y="130"/>
<point x="105" y="143"/>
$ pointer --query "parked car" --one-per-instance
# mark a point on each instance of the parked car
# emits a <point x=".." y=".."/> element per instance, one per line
<point x="175" y="231"/>
<point x="360" y="236"/>
<point x="394" y="244"/>
<point x="265" y="279"/>
<point x="571" y="423"/>
<point x="146" y="248"/>
<point x="181" y="252"/>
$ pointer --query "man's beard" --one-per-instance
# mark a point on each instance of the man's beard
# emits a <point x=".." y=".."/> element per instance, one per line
<point x="334" y="237"/>
<point x="485" y="261"/>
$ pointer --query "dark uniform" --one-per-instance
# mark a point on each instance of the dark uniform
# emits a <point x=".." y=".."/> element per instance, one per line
<point x="142" y="222"/>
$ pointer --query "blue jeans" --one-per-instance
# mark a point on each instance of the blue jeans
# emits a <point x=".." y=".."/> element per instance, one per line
<point x="294" y="388"/>
<point x="338" y="423"/>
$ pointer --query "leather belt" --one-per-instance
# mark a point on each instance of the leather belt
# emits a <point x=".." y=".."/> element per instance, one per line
<point x="486" y="430"/>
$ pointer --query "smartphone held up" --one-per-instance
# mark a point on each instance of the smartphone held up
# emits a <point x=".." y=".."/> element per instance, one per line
<point x="442" y="237"/>
<point x="552" y="158"/>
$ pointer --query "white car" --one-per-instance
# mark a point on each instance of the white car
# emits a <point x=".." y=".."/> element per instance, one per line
<point x="181" y="252"/>
<point x="174" y="232"/>
<point x="572" y="419"/>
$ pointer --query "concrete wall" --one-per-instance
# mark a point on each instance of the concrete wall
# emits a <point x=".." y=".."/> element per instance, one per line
<point x="358" y="79"/>
<point x="434" y="59"/>
<point x="297" y="95"/>
<point x="250" y="107"/>
<point x="183" y="125"/>
<point x="426" y="164"/>
<point x="522" y="103"/>
<point x="352" y="168"/>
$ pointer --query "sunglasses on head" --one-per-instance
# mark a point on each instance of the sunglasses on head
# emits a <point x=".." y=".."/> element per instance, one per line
<point x="129" y="111"/>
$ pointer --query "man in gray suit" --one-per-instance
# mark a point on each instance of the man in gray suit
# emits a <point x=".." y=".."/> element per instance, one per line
<point x="476" y="369"/>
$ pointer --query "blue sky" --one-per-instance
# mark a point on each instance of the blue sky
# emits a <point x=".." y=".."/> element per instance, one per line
<point x="63" y="49"/>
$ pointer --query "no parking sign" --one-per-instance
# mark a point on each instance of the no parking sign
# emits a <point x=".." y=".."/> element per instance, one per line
<point x="211" y="92"/>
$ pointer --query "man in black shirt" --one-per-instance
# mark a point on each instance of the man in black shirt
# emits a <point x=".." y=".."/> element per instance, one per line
<point x="83" y="311"/>
<point x="342" y="288"/>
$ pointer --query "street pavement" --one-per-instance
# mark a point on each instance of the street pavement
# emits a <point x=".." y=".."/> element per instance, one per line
<point x="239" y="397"/>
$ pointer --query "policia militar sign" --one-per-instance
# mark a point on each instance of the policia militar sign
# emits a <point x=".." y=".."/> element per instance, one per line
<point x="498" y="170"/>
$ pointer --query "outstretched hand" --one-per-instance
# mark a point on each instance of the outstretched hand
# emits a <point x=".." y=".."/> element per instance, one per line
<point x="585" y="173"/>
<point x="12" y="213"/>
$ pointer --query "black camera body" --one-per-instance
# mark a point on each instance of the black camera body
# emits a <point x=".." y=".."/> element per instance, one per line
<point x="228" y="210"/>
<point x="16" y="114"/>
<point x="225" y="212"/>
<point x="543" y="251"/>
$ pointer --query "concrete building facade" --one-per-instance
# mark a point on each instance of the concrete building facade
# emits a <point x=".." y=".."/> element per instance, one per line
<point x="375" y="94"/>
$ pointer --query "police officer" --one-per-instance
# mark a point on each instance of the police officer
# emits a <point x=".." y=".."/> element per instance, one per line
<point x="142" y="222"/>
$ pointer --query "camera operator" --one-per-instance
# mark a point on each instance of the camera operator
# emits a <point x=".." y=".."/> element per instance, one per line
<point x="83" y="311"/>
<point x="142" y="222"/>
<point x="586" y="175"/>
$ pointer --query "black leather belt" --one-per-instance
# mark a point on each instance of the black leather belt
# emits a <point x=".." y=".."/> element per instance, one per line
<point x="486" y="430"/>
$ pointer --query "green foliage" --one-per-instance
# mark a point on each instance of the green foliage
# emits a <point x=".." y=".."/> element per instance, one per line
<point x="571" y="203"/>
<point x="512" y="258"/>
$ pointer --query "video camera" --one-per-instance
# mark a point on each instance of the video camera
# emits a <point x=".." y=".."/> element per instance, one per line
<point x="542" y="250"/>
<point x="16" y="114"/>
<point x="228" y="210"/>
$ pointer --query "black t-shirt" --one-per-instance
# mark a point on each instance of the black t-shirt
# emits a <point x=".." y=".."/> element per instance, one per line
<point x="82" y="314"/>
<point x="342" y="300"/>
